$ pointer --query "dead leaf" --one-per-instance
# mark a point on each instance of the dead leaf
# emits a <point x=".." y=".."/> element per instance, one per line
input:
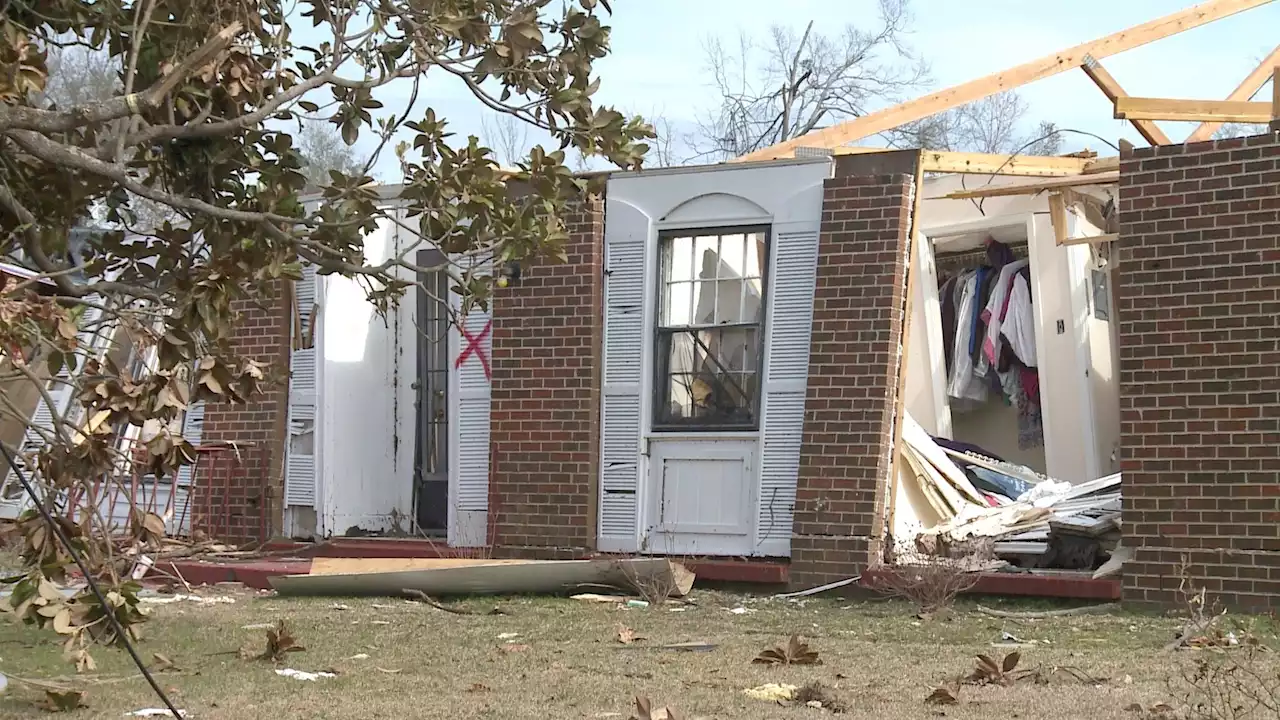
<point x="795" y="652"/>
<point x="161" y="663"/>
<point x="626" y="635"/>
<point x="280" y="642"/>
<point x="989" y="672"/>
<point x="942" y="696"/>
<point x="646" y="711"/>
<point x="61" y="700"/>
<point x="478" y="687"/>
<point x="513" y="648"/>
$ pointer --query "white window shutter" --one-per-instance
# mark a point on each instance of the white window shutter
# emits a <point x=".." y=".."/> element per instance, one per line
<point x="624" y="296"/>
<point x="472" y="352"/>
<point x="300" y="448"/>
<point x="790" y="318"/>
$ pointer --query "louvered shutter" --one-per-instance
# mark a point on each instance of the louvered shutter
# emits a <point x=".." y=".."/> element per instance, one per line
<point x="620" y="461"/>
<point x="192" y="432"/>
<point x="790" y="318"/>
<point x="300" y="453"/>
<point x="469" y="495"/>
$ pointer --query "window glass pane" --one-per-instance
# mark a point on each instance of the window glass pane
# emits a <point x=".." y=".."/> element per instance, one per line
<point x="729" y="302"/>
<point x="677" y="258"/>
<point x="704" y="303"/>
<point x="755" y="264"/>
<point x="706" y="256"/>
<point x="711" y="377"/>
<point x="733" y="260"/>
<point x="677" y="307"/>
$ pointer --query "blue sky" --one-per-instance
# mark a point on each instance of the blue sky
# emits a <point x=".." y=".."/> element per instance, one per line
<point x="658" y="60"/>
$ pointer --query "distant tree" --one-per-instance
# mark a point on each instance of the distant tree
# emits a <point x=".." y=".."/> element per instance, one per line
<point x="322" y="149"/>
<point x="1234" y="130"/>
<point x="508" y="137"/>
<point x="791" y="84"/>
<point x="989" y="125"/>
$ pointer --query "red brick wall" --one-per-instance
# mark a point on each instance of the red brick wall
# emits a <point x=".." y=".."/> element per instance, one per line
<point x="237" y="493"/>
<point x="547" y="332"/>
<point x="853" y="376"/>
<point x="1200" y="369"/>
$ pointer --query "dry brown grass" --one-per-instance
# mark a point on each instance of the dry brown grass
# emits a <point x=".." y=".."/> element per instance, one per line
<point x="565" y="661"/>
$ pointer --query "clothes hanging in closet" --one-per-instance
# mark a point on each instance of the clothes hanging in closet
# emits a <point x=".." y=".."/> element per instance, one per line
<point x="989" y="338"/>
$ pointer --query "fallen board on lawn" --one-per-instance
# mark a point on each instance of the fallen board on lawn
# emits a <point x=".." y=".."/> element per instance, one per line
<point x="456" y="576"/>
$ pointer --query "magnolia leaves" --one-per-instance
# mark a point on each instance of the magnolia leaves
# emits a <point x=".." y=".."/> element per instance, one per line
<point x="795" y="652"/>
<point x="280" y="642"/>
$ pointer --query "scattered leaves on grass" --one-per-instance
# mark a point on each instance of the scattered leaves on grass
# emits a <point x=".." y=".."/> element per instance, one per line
<point x="817" y="695"/>
<point x="280" y="642"/>
<point x="626" y="635"/>
<point x="990" y="672"/>
<point x="478" y="688"/>
<point x="943" y="695"/>
<point x="61" y="701"/>
<point x="646" y="711"/>
<point x="795" y="652"/>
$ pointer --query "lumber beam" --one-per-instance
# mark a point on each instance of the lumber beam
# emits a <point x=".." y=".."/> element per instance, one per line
<point x="947" y="161"/>
<point x="1245" y="91"/>
<point x="971" y="163"/>
<point x="1241" y="111"/>
<point x="1111" y="88"/>
<point x="1069" y="59"/>
<point x="1031" y="188"/>
<point x="1275" y="99"/>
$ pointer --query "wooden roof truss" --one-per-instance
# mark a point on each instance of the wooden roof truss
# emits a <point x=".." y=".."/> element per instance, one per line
<point x="1141" y="112"/>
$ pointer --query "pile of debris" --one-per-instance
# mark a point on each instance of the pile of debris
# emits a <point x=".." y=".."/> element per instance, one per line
<point x="1025" y="519"/>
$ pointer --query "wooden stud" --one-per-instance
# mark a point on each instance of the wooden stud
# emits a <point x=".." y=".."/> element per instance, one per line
<point x="1058" y="217"/>
<point x="934" y="103"/>
<point x="1111" y="88"/>
<point x="1245" y="91"/>
<point x="1031" y="188"/>
<point x="1141" y="108"/>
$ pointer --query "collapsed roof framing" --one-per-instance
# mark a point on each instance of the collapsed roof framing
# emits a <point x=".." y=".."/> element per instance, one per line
<point x="1141" y="112"/>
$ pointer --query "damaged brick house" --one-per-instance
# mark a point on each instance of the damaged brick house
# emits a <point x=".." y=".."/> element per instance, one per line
<point x="723" y="366"/>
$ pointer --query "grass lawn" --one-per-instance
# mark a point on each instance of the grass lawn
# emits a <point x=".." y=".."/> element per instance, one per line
<point x="555" y="658"/>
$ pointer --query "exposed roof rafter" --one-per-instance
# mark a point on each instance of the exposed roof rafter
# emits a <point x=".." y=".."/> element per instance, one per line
<point x="1111" y="88"/>
<point x="1245" y="91"/>
<point x="1071" y="58"/>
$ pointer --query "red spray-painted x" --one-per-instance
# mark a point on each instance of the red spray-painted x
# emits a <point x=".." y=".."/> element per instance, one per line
<point x="475" y="343"/>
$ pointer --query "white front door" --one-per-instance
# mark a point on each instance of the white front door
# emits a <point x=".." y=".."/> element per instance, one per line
<point x="701" y="495"/>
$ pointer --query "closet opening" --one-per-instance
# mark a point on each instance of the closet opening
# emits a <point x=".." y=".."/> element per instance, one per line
<point x="983" y="282"/>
